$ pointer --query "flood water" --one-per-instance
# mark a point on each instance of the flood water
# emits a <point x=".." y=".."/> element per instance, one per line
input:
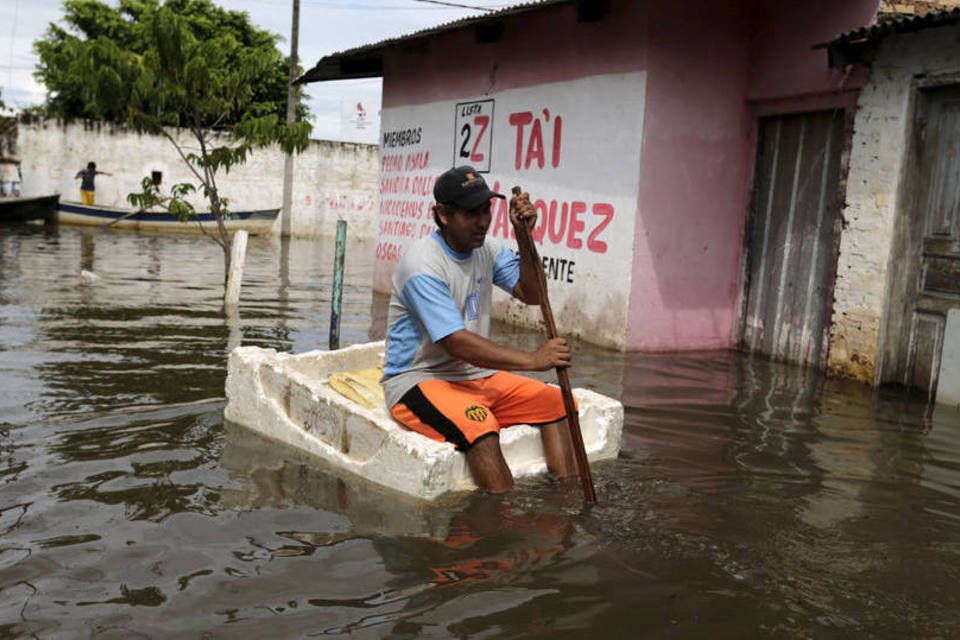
<point x="751" y="499"/>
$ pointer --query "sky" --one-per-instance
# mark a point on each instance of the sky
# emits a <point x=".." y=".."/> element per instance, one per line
<point x="326" y="26"/>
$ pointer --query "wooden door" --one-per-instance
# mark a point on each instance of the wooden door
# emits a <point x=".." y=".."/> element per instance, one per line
<point x="791" y="240"/>
<point x="925" y="269"/>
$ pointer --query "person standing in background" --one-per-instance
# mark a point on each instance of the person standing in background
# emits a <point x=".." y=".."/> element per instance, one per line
<point x="86" y="177"/>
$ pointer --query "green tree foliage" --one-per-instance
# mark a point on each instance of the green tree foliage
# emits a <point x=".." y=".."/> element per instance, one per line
<point x="99" y="49"/>
<point x="185" y="64"/>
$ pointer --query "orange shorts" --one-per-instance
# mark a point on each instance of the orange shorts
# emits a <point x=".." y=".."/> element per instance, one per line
<point x="463" y="411"/>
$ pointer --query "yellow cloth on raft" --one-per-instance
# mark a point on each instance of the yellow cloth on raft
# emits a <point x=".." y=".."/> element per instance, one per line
<point x="362" y="387"/>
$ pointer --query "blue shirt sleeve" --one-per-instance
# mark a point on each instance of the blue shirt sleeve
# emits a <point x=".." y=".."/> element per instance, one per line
<point x="429" y="299"/>
<point x="506" y="270"/>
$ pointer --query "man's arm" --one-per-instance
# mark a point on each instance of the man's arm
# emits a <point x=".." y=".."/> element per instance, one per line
<point x="523" y="212"/>
<point x="477" y="350"/>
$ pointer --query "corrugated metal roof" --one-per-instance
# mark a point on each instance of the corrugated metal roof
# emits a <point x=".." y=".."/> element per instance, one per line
<point x="851" y="46"/>
<point x="902" y="24"/>
<point x="366" y="61"/>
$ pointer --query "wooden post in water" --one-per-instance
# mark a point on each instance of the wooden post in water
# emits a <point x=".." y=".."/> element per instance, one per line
<point x="238" y="253"/>
<point x="337" y="300"/>
<point x="286" y="213"/>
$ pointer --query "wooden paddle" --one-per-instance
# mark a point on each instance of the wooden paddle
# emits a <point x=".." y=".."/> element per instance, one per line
<point x="107" y="225"/>
<point x="573" y="418"/>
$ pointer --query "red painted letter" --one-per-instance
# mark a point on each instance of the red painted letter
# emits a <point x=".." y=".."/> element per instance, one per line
<point x="535" y="147"/>
<point x="556" y="235"/>
<point x="502" y="225"/>
<point x="520" y="120"/>
<point x="483" y="122"/>
<point x="557" y="135"/>
<point x="541" y="227"/>
<point x="576" y="224"/>
<point x="600" y="209"/>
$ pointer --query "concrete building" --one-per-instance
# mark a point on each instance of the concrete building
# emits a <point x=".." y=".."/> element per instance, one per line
<point x="897" y="310"/>
<point x="686" y="158"/>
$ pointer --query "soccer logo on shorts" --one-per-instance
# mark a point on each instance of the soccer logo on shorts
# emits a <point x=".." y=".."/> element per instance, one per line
<point x="476" y="413"/>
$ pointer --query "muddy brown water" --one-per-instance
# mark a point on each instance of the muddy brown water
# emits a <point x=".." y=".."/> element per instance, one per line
<point x="751" y="500"/>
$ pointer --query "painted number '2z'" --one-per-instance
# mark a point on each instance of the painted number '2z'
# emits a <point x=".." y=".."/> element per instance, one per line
<point x="482" y="122"/>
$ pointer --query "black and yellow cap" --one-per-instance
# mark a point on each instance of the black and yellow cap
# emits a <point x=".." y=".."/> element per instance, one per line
<point x="463" y="187"/>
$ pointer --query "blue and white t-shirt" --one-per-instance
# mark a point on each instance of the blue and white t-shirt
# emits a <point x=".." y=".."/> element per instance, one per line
<point x="436" y="292"/>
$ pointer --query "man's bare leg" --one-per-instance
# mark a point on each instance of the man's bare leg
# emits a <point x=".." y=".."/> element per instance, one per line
<point x="486" y="463"/>
<point x="558" y="448"/>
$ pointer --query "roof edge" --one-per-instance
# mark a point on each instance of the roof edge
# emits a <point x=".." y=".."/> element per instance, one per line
<point x="857" y="45"/>
<point x="366" y="61"/>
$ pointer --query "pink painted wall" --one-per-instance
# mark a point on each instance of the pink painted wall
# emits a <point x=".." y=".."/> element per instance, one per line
<point x="546" y="46"/>
<point x="782" y="62"/>
<point x="712" y="67"/>
<point x="689" y="232"/>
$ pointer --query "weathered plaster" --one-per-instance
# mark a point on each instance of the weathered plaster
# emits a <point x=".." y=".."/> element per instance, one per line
<point x="875" y="193"/>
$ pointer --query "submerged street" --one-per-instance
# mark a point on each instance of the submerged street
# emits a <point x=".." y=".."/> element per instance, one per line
<point x="751" y="499"/>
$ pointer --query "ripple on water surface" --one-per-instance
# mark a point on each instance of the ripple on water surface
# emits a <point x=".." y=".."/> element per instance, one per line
<point x="751" y="499"/>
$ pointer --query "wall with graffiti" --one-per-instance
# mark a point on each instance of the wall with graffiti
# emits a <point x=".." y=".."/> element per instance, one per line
<point x="331" y="180"/>
<point x="553" y="140"/>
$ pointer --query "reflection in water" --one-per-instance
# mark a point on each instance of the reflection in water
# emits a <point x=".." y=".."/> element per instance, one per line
<point x="751" y="499"/>
<point x="810" y="494"/>
<point x="87" y="250"/>
<point x="438" y="554"/>
<point x="145" y="485"/>
<point x="274" y="476"/>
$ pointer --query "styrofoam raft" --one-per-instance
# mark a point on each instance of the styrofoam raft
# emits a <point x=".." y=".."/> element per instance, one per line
<point x="285" y="397"/>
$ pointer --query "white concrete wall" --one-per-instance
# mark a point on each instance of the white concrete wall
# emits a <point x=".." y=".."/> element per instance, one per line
<point x="883" y="124"/>
<point x="331" y="179"/>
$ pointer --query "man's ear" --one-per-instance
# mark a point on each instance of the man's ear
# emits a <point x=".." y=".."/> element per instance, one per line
<point x="440" y="214"/>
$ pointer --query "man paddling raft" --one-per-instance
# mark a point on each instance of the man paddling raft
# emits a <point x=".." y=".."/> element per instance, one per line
<point x="443" y="376"/>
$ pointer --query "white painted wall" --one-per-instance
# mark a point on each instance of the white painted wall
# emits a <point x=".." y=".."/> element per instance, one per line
<point x="564" y="143"/>
<point x="883" y="124"/>
<point x="331" y="179"/>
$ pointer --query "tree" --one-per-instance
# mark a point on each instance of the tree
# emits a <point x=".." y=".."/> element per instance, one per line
<point x="100" y="46"/>
<point x="185" y="73"/>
